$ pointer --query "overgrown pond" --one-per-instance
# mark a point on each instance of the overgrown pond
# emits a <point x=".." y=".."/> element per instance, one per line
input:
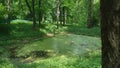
<point x="70" y="44"/>
<point x="60" y="51"/>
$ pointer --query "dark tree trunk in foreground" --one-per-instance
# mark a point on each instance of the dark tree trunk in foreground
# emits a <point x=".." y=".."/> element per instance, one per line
<point x="89" y="20"/>
<point x="8" y="19"/>
<point x="110" y="26"/>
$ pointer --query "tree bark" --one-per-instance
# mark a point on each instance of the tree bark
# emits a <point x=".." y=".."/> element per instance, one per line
<point x="8" y="19"/>
<point x="40" y="15"/>
<point x="32" y="11"/>
<point x="58" y="13"/>
<point x="89" y="20"/>
<point x="28" y="5"/>
<point x="64" y="16"/>
<point x="21" y="5"/>
<point x="61" y="16"/>
<point x="110" y="33"/>
<point x="33" y="14"/>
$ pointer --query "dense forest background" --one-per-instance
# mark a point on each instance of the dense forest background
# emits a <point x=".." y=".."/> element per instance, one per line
<point x="68" y="11"/>
<point x="50" y="34"/>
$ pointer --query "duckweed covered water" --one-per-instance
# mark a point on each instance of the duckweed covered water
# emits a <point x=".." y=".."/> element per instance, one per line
<point x="69" y="44"/>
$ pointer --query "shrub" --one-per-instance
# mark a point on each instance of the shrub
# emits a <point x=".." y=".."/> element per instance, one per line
<point x="2" y="13"/>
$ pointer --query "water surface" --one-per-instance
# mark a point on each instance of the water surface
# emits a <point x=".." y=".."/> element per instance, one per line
<point x="69" y="44"/>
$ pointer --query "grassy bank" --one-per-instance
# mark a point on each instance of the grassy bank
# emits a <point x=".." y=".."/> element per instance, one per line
<point x="92" y="60"/>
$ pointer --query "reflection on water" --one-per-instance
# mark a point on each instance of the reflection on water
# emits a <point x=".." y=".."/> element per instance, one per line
<point x="67" y="44"/>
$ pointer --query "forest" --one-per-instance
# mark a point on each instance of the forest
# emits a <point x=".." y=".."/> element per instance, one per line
<point x="59" y="34"/>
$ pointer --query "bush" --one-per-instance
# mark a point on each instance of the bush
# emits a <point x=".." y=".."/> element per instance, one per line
<point x="2" y="13"/>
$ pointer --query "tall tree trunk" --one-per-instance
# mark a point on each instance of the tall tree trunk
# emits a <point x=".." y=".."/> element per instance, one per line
<point x="29" y="7"/>
<point x="64" y="16"/>
<point x="8" y="20"/>
<point x="21" y="5"/>
<point x="58" y="12"/>
<point x="40" y="15"/>
<point x="32" y="11"/>
<point x="61" y="16"/>
<point x="110" y="29"/>
<point x="33" y="14"/>
<point x="89" y="20"/>
<point x="66" y="12"/>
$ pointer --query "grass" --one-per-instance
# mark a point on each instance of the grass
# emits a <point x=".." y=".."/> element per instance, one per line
<point x="5" y="63"/>
<point x="62" y="44"/>
<point x="20" y="34"/>
<point x="95" y="31"/>
<point x="18" y="31"/>
<point x="93" y="60"/>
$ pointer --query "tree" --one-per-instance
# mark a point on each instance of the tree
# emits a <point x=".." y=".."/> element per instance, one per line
<point x="110" y="26"/>
<point x="32" y="11"/>
<point x="40" y="15"/>
<point x="2" y="13"/>
<point x="64" y="15"/>
<point x="58" y="12"/>
<point x="8" y="20"/>
<point x="89" y="21"/>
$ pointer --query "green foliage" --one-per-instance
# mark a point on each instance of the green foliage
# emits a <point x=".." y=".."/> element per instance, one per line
<point x="93" y="60"/>
<point x="50" y="27"/>
<point x="5" y="63"/>
<point x="2" y="13"/>
<point x="17" y="31"/>
<point x="1" y="50"/>
<point x="77" y="10"/>
<point x="96" y="12"/>
<point x="79" y="13"/>
<point x="84" y="31"/>
<point x="1" y="10"/>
